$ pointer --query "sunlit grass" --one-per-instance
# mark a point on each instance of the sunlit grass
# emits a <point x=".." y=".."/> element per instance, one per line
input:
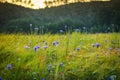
<point x="73" y="57"/>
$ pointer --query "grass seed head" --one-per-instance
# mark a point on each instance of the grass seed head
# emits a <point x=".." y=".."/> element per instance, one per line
<point x="93" y="45"/>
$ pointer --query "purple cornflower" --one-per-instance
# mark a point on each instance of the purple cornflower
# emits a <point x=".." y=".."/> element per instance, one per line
<point x="30" y="25"/>
<point x="0" y="78"/>
<point x="45" y="47"/>
<point x="55" y="43"/>
<point x="97" y="45"/>
<point x="112" y="77"/>
<point x="84" y="28"/>
<point x="77" y="30"/>
<point x="111" y="48"/>
<point x="61" y="31"/>
<point x="43" y="79"/>
<point x="9" y="66"/>
<point x="27" y="47"/>
<point x="61" y="64"/>
<point x="118" y="49"/>
<point x="78" y="49"/>
<point x="36" y="28"/>
<point x="65" y="26"/>
<point x="36" y="48"/>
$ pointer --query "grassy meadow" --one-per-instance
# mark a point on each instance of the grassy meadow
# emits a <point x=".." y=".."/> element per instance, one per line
<point x="77" y="41"/>
<point x="70" y="56"/>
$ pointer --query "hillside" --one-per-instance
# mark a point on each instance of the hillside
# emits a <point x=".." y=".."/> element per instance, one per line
<point x="95" y="16"/>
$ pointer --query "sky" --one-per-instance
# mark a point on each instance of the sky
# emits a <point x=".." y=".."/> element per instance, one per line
<point x="40" y="3"/>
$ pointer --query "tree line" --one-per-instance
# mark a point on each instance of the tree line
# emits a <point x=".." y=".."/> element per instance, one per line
<point x="95" y="16"/>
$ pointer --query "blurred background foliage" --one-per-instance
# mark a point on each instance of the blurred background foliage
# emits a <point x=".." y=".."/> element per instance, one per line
<point x="96" y="16"/>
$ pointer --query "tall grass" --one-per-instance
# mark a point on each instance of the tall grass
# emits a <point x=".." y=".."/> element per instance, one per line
<point x="74" y="56"/>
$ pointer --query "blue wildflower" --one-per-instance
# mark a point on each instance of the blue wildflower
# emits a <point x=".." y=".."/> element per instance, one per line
<point x="61" y="64"/>
<point x="112" y="77"/>
<point x="36" y="28"/>
<point x="108" y="28"/>
<point x="118" y="49"/>
<point x="43" y="79"/>
<point x="65" y="26"/>
<point x="27" y="47"/>
<point x="61" y="31"/>
<point x="78" y="49"/>
<point x="0" y="78"/>
<point x="9" y="66"/>
<point x="97" y="45"/>
<point x="55" y="43"/>
<point x="30" y="25"/>
<point x="84" y="28"/>
<point x="45" y="47"/>
<point x="77" y="30"/>
<point x="36" y="48"/>
<point x="111" y="48"/>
